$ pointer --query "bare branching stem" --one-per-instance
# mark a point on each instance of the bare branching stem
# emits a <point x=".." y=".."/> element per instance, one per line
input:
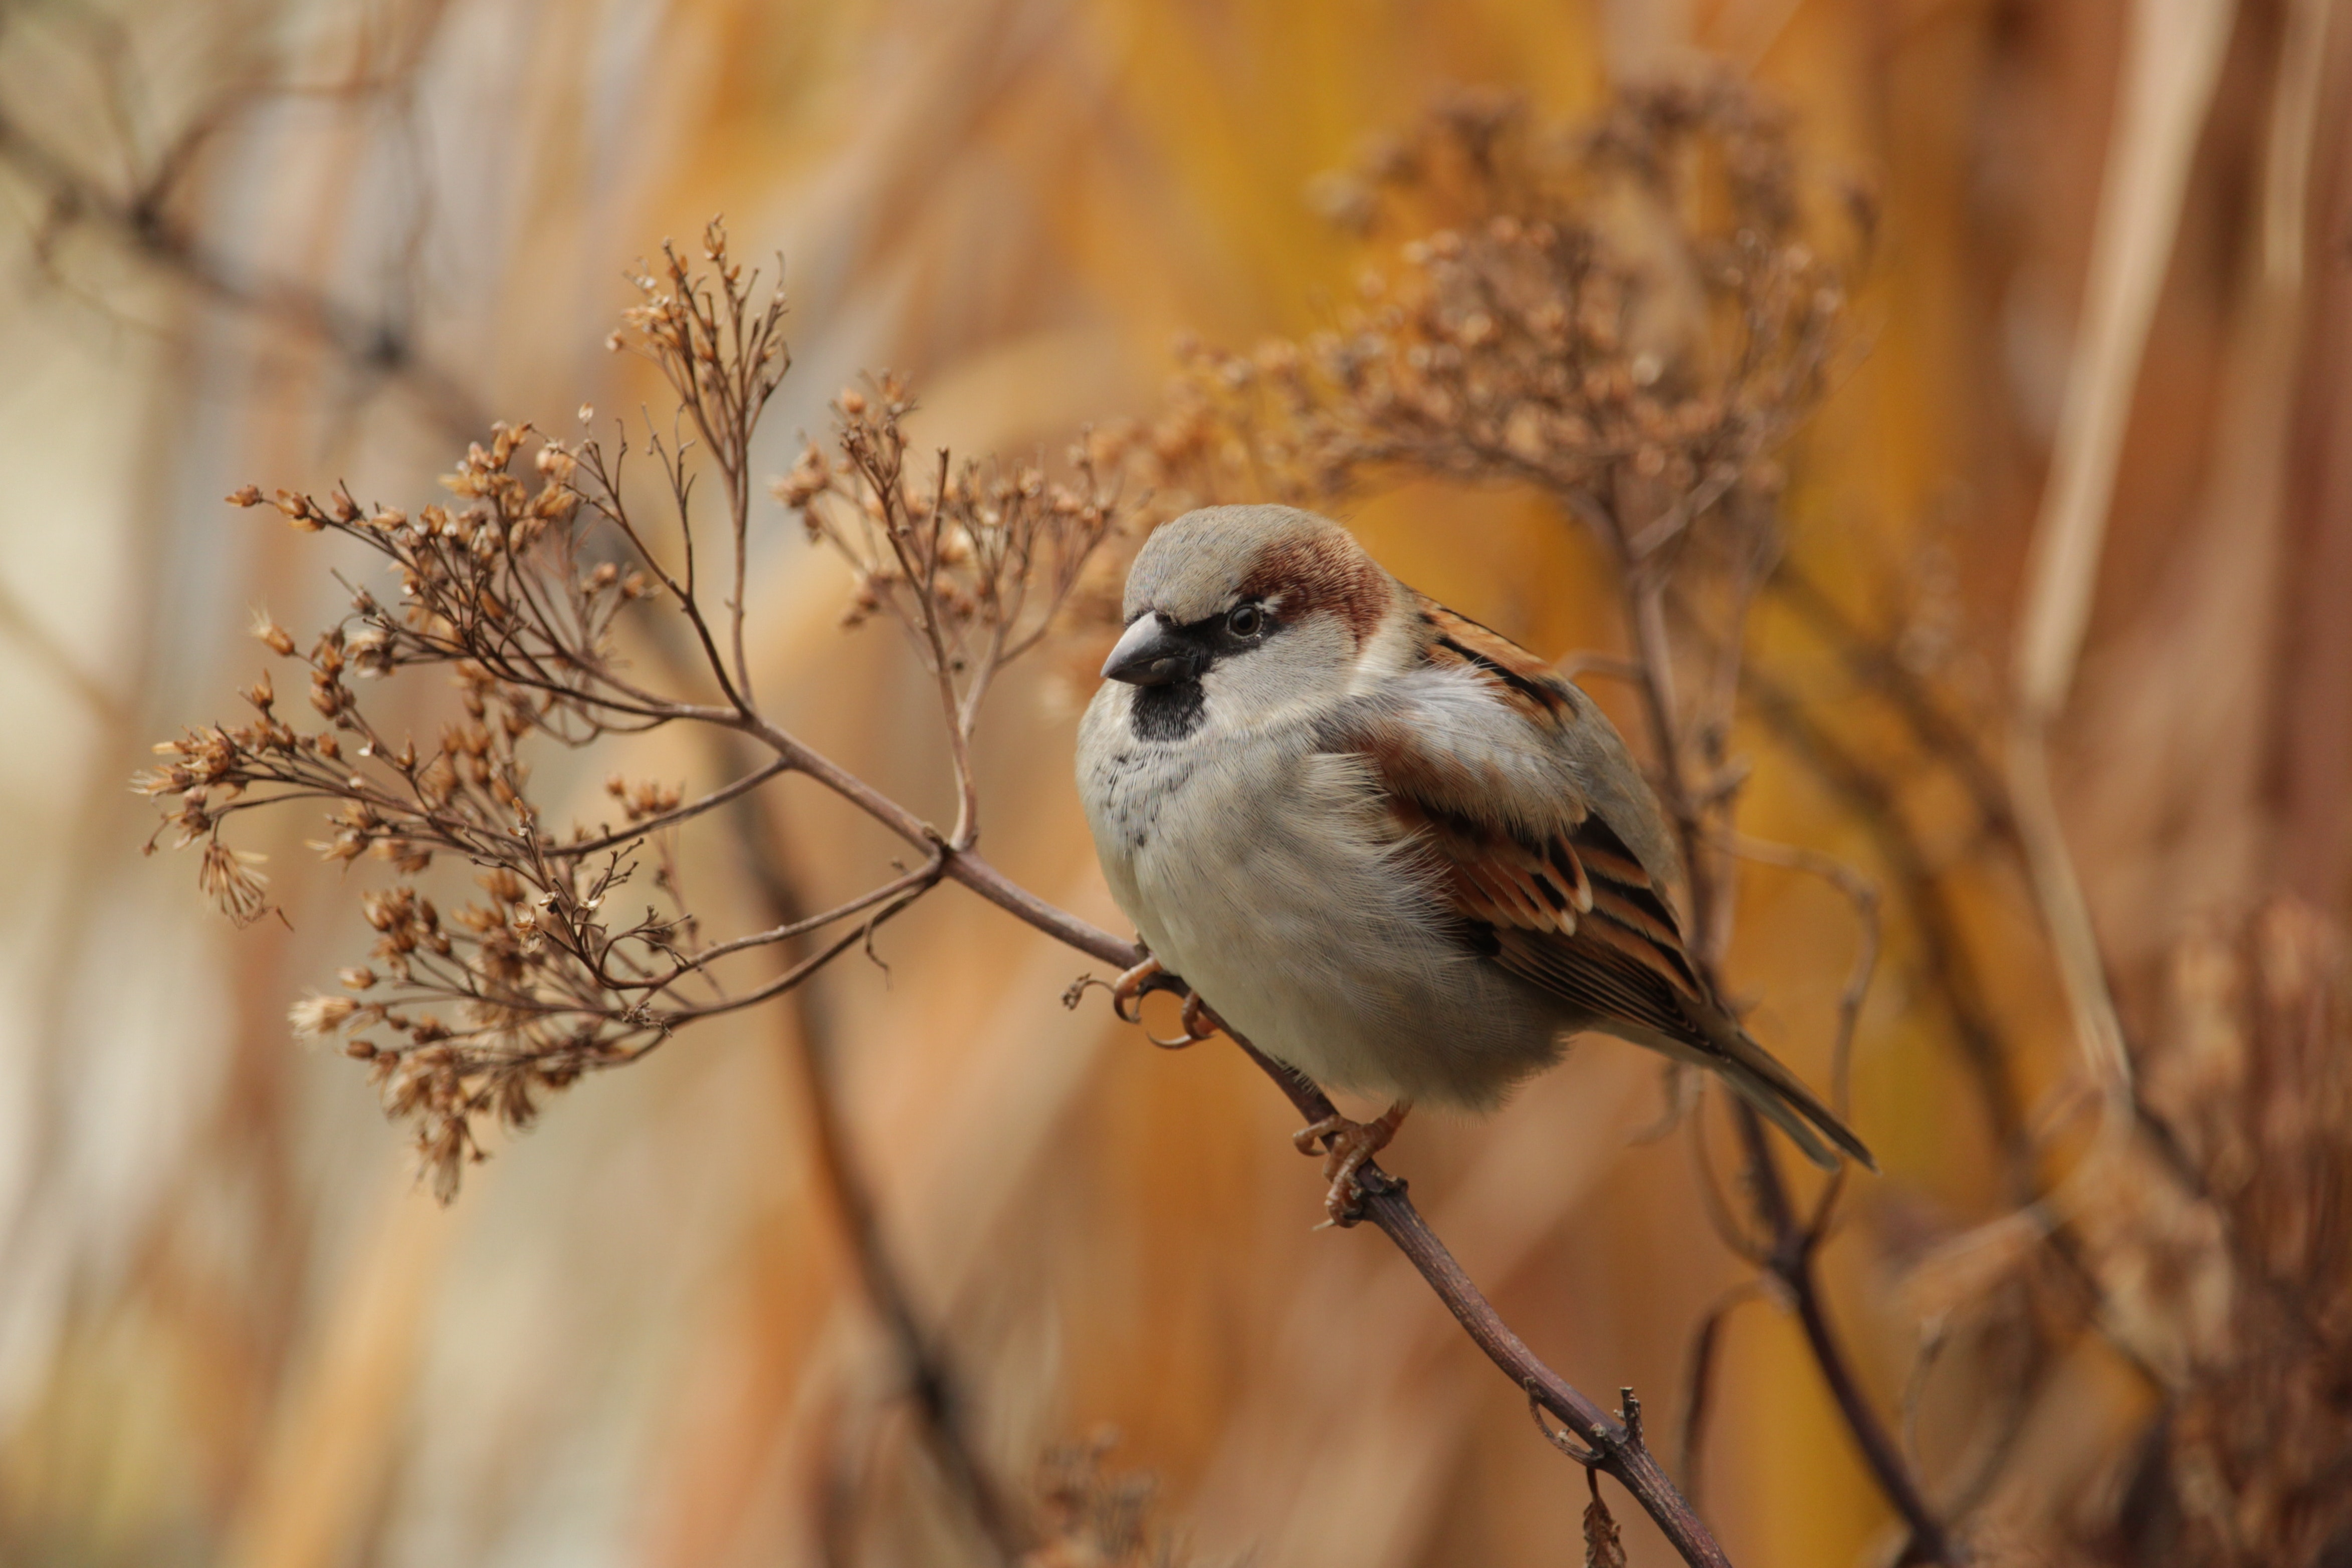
<point x="1616" y="1446"/>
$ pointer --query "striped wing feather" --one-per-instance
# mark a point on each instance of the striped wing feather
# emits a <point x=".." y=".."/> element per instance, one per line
<point x="1556" y="896"/>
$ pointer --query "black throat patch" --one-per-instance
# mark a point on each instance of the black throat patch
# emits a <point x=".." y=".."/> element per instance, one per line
<point x="1169" y="712"/>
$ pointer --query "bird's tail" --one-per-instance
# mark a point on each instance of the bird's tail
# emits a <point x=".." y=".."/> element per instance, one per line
<point x="1781" y="1097"/>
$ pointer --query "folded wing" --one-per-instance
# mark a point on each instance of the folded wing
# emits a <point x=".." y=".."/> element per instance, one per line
<point x="1522" y="795"/>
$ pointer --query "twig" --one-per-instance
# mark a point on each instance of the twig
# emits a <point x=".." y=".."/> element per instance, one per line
<point x="1698" y="1384"/>
<point x="1863" y="893"/>
<point x="1875" y="666"/>
<point x="1796" y="1244"/>
<point x="1945" y="961"/>
<point x="1619" y="1451"/>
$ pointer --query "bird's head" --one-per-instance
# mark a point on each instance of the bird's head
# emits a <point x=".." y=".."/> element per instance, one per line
<point x="1235" y="614"/>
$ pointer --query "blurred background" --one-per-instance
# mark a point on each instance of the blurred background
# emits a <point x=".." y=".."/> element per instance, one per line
<point x="289" y="243"/>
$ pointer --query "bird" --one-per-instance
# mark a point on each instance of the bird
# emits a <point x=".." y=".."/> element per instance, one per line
<point x="1392" y="849"/>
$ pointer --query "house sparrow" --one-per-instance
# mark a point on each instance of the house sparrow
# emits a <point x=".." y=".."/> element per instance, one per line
<point x="1391" y="846"/>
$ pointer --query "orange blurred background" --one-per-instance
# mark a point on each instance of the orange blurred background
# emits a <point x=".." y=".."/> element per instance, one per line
<point x="295" y="243"/>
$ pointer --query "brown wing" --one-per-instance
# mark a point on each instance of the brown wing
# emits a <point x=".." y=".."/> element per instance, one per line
<point x="1544" y="884"/>
<point x="1562" y="891"/>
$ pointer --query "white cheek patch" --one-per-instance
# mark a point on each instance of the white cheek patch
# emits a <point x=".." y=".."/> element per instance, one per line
<point x="1303" y="668"/>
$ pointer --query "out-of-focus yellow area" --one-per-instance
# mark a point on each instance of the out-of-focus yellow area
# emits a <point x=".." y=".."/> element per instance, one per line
<point x="295" y="243"/>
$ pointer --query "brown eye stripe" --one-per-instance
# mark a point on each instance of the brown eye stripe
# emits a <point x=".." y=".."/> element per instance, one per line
<point x="1320" y="573"/>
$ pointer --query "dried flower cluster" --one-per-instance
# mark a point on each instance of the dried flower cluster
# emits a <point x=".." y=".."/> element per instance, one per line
<point x="519" y="587"/>
<point x="974" y="561"/>
<point x="2225" y="1251"/>
<point x="1627" y="317"/>
<point x="531" y="981"/>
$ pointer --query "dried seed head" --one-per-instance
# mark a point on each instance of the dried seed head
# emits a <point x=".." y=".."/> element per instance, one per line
<point x="227" y="876"/>
<point x="273" y="636"/>
<point x="317" y="1015"/>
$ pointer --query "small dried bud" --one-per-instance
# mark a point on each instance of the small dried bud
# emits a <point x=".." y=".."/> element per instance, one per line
<point x="370" y="651"/>
<point x="273" y="636"/>
<point x="356" y="979"/>
<point x="313" y="1017"/>
<point x="227" y="876"/>
<point x="298" y="512"/>
<point x="853" y="401"/>
<point x="244" y="496"/>
<point x="344" y="846"/>
<point x="364" y="1050"/>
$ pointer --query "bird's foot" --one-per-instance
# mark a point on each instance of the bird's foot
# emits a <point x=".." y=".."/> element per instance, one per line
<point x="1346" y="1146"/>
<point x="1199" y="1021"/>
<point x="1127" y="991"/>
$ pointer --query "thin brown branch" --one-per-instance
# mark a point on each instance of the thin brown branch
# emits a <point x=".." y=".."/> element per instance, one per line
<point x="1618" y="1446"/>
<point x="1945" y="961"/>
<point x="1863" y="893"/>
<point x="635" y="831"/>
<point x="1792" y="1262"/>
<point x="1875" y="666"/>
<point x="1698" y="1385"/>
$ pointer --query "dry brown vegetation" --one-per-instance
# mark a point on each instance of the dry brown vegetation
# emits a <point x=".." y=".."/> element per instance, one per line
<point x="1645" y="374"/>
<point x="517" y="589"/>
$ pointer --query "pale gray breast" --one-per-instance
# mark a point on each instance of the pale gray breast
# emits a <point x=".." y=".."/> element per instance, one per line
<point x="1121" y="785"/>
<point x="1266" y="872"/>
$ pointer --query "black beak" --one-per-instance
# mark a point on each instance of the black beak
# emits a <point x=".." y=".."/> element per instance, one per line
<point x="1154" y="654"/>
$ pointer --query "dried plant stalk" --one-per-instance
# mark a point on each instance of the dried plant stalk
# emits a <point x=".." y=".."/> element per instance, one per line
<point x="519" y="587"/>
<point x="972" y="561"/>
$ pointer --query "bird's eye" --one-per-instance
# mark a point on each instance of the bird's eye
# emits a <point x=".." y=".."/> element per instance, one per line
<point x="1245" y="620"/>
